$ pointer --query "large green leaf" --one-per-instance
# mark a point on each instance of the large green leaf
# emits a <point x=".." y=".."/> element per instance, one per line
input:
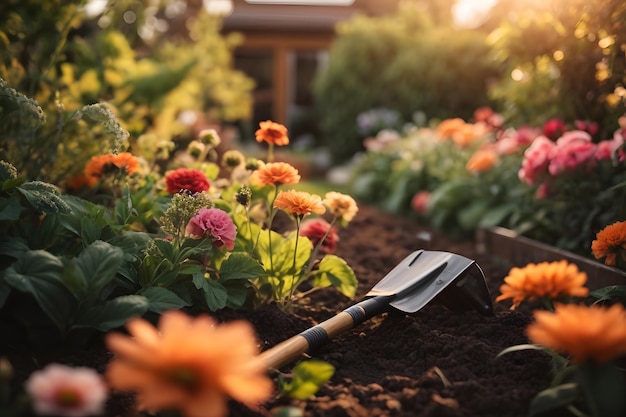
<point x="333" y="270"/>
<point x="240" y="266"/>
<point x="99" y="263"/>
<point x="13" y="246"/>
<point x="38" y="273"/>
<point x="114" y="313"/>
<point x="215" y="294"/>
<point x="10" y="209"/>
<point x="161" y="299"/>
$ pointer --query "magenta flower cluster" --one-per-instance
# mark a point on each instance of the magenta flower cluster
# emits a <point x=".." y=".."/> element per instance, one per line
<point x="215" y="224"/>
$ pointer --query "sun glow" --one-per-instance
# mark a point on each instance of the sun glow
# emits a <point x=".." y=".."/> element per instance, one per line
<point x="471" y="13"/>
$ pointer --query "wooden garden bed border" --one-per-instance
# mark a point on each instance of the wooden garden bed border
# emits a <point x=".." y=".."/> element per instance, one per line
<point x="517" y="250"/>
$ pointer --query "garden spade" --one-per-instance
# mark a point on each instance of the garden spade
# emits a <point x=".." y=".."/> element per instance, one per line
<point x="422" y="277"/>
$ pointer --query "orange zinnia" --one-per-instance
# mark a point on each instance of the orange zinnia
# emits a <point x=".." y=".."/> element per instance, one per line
<point x="299" y="203"/>
<point x="610" y="242"/>
<point x="272" y="132"/>
<point x="101" y="165"/>
<point x="483" y="160"/>
<point x="546" y="279"/>
<point x="275" y="173"/>
<point x="189" y="364"/>
<point x="341" y="205"/>
<point x="587" y="333"/>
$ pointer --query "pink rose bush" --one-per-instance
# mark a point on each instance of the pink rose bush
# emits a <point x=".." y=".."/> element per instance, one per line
<point x="215" y="224"/>
<point x="60" y="390"/>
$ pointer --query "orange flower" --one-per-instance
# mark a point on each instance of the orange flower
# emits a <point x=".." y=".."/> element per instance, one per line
<point x="341" y="205"/>
<point x="546" y="279"/>
<point x="448" y="127"/>
<point x="189" y="364"/>
<point x="272" y="132"/>
<point x="610" y="242"/>
<point x="102" y="165"/>
<point x="461" y="133"/>
<point x="483" y="160"/>
<point x="299" y="203"/>
<point x="275" y="173"/>
<point x="587" y="333"/>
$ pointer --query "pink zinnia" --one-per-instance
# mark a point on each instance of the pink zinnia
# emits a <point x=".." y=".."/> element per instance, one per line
<point x="536" y="160"/>
<point x="315" y="229"/>
<point x="606" y="149"/>
<point x="69" y="392"/>
<point x="213" y="223"/>
<point x="573" y="150"/>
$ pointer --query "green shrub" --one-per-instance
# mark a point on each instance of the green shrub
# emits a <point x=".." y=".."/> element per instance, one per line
<point x="399" y="62"/>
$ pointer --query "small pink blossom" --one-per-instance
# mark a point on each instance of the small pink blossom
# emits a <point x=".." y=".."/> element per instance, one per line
<point x="573" y="150"/>
<point x="536" y="160"/>
<point x="68" y="392"/>
<point x="587" y="126"/>
<point x="315" y="229"/>
<point x="213" y="223"/>
<point x="420" y="201"/>
<point x="606" y="149"/>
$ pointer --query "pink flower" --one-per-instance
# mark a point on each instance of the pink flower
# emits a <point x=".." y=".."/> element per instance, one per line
<point x="214" y="223"/>
<point x="587" y="126"/>
<point x="315" y="229"/>
<point x="606" y="149"/>
<point x="68" y="392"/>
<point x="554" y="128"/>
<point x="536" y="160"/>
<point x="574" y="149"/>
<point x="419" y="202"/>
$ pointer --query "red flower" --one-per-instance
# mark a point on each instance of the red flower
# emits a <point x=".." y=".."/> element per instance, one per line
<point x="186" y="180"/>
<point x="315" y="229"/>
<point x="554" y="128"/>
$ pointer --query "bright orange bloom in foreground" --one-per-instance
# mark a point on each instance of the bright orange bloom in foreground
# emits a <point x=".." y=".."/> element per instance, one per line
<point x="272" y="132"/>
<point x="101" y="165"/>
<point x="299" y="203"/>
<point x="545" y="279"/>
<point x="341" y="205"/>
<point x="189" y="364"/>
<point x="610" y="242"/>
<point x="587" y="333"/>
<point x="483" y="160"/>
<point x="275" y="173"/>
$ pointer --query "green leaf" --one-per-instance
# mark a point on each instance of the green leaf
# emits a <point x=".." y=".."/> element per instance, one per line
<point x="610" y="293"/>
<point x="518" y="348"/>
<point x="603" y="387"/>
<point x="114" y="313"/>
<point x="162" y="299"/>
<point x="38" y="273"/>
<point x="240" y="266"/>
<point x="215" y="294"/>
<point x="44" y="197"/>
<point x="10" y="209"/>
<point x="99" y="263"/>
<point x="308" y="377"/>
<point x="334" y="271"/>
<point x="13" y="246"/>
<point x="553" y="398"/>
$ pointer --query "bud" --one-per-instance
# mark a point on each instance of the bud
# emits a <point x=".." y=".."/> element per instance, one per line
<point x="244" y="195"/>
<point x="209" y="137"/>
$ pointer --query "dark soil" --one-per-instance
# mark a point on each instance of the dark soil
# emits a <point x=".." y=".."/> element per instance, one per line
<point x="431" y="363"/>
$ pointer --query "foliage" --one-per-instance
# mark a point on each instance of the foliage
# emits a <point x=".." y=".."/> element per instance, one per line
<point x="564" y="207"/>
<point x="565" y="59"/>
<point x="441" y="72"/>
<point x="60" y="57"/>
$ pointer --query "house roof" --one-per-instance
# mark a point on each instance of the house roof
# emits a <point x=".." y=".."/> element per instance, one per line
<point x="290" y="17"/>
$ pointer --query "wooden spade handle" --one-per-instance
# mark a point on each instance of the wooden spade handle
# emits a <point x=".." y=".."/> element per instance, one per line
<point x="291" y="349"/>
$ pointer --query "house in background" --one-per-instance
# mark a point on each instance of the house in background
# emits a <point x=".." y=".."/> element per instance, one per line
<point x="286" y="43"/>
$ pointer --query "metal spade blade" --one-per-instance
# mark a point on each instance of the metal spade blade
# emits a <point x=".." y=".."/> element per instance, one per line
<point x="420" y="278"/>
